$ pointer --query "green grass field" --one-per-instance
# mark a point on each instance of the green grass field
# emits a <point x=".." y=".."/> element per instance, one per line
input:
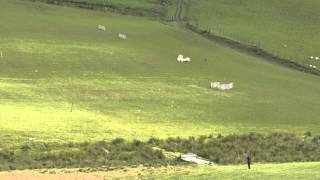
<point x="62" y="81"/>
<point x="55" y="60"/>
<point x="287" y="28"/>
<point x="294" y="171"/>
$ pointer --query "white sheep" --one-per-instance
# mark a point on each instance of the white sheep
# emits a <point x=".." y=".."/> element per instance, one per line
<point x="122" y="36"/>
<point x="311" y="65"/>
<point x="101" y="27"/>
<point x="222" y="87"/>
<point x="182" y="59"/>
<point x="317" y="58"/>
<point x="314" y="66"/>
<point x="311" y="57"/>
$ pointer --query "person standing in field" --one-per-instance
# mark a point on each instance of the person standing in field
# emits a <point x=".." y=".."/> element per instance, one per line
<point x="249" y="160"/>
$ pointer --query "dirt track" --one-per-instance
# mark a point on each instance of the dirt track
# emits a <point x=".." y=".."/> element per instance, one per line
<point x="71" y="175"/>
<point x="83" y="174"/>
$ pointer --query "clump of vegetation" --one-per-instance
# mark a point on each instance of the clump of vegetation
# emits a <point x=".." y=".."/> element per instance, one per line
<point x="231" y="149"/>
<point x="275" y="147"/>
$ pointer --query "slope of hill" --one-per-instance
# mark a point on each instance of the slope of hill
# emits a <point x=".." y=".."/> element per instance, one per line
<point x="64" y="80"/>
<point x="287" y="28"/>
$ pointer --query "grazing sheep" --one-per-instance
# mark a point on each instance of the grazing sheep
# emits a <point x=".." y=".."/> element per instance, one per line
<point x="317" y="58"/>
<point x="122" y="36"/>
<point x="222" y="87"/>
<point x="101" y="27"/>
<point x="311" y="57"/>
<point x="182" y="59"/>
<point x="312" y="66"/>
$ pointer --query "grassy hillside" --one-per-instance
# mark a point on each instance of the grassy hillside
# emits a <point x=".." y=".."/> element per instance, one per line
<point x="63" y="80"/>
<point x="286" y="28"/>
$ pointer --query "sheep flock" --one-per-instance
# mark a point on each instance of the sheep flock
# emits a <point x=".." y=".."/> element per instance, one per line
<point x="120" y="35"/>
<point x="316" y="58"/>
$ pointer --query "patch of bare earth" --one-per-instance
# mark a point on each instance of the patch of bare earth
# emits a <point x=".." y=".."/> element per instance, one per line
<point x="87" y="174"/>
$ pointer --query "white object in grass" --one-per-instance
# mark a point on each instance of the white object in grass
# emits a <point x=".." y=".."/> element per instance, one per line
<point x="190" y="157"/>
<point x="222" y="87"/>
<point x="183" y="59"/>
<point x="122" y="36"/>
<point x="101" y="27"/>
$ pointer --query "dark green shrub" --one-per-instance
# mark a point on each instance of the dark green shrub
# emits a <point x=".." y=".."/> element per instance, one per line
<point x="308" y="134"/>
<point x="25" y="147"/>
<point x="118" y="141"/>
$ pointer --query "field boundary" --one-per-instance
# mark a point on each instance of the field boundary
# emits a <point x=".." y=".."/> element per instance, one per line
<point x="126" y="10"/>
<point x="178" y="11"/>
<point x="251" y="50"/>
